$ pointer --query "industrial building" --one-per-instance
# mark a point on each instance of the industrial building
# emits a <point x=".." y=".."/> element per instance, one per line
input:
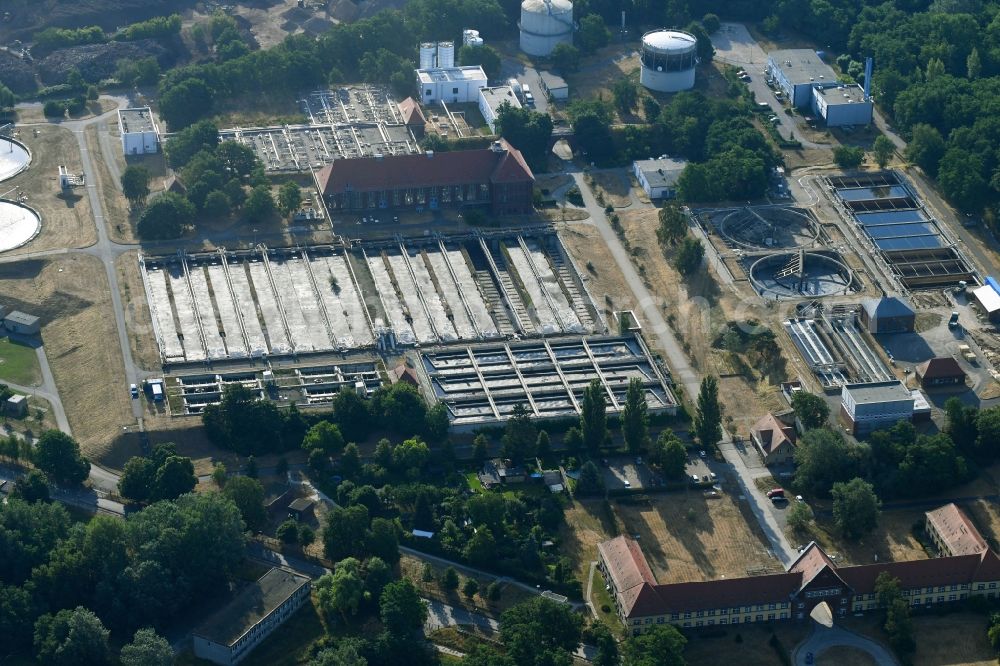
<point x="988" y="298"/>
<point x="668" y="60"/>
<point x="16" y="406"/>
<point x="658" y="177"/>
<point x="941" y="371"/>
<point x="952" y="532"/>
<point x="894" y="225"/>
<point x="837" y="349"/>
<point x="814" y="578"/>
<point x="888" y="314"/>
<point x="842" y="105"/>
<point x="796" y="71"/>
<point x="875" y="406"/>
<point x="229" y="636"/>
<point x="138" y="131"/>
<point x="554" y="85"/>
<point x="22" y="323"/>
<point x="454" y="85"/>
<point x="544" y="25"/>
<point x="490" y="101"/>
<point x="497" y="177"/>
<point x="481" y="385"/>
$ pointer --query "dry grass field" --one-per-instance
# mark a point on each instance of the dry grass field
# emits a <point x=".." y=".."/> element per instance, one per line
<point x="412" y="567"/>
<point x="613" y="187"/>
<point x="752" y="648"/>
<point x="684" y="536"/>
<point x="893" y="541"/>
<point x="67" y="221"/>
<point x="116" y="215"/>
<point x="845" y="655"/>
<point x="955" y="639"/>
<point x="71" y="296"/>
<point x="137" y="317"/>
<point x="33" y="114"/>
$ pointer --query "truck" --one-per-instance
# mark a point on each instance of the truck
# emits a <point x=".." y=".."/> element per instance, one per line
<point x="156" y="388"/>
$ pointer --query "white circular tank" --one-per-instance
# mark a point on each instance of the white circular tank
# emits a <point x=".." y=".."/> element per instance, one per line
<point x="544" y="24"/>
<point x="428" y="55"/>
<point x="446" y="54"/>
<point x="14" y="158"/>
<point x="668" y="58"/>
<point x="18" y="224"/>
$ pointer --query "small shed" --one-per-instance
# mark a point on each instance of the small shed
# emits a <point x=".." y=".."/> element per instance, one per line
<point x="22" y="323"/>
<point x="302" y="509"/>
<point x="658" y="178"/>
<point x="554" y="85"/>
<point x="16" y="406"/>
<point x="941" y="371"/>
<point x="989" y="300"/>
<point x="887" y="315"/>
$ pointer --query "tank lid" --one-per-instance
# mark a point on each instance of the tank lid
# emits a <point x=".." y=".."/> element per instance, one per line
<point x="669" y="40"/>
<point x="545" y="6"/>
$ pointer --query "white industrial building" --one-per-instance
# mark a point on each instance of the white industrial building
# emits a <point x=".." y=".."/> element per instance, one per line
<point x="658" y="178"/>
<point x="554" y="85"/>
<point x="669" y="59"/>
<point x="138" y="131"/>
<point x="839" y="105"/>
<point x="868" y="407"/>
<point x="795" y="71"/>
<point x="453" y="85"/>
<point x="545" y="24"/>
<point x="490" y="101"/>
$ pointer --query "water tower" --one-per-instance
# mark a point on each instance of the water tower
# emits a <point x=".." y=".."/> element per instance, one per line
<point x="669" y="58"/>
<point x="544" y="24"/>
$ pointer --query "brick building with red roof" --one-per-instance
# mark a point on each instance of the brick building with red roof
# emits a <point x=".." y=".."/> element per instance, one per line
<point x="497" y="177"/>
<point x="813" y="578"/>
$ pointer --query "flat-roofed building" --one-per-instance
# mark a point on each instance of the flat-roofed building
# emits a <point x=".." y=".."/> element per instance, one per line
<point x="952" y="531"/>
<point x="138" y="131"/>
<point x="22" y="323"/>
<point x="554" y="85"/>
<point x="874" y="406"/>
<point x="989" y="300"/>
<point x="233" y="632"/>
<point x="839" y="105"/>
<point x="795" y="71"/>
<point x="490" y="101"/>
<point x="658" y="178"/>
<point x="452" y="85"/>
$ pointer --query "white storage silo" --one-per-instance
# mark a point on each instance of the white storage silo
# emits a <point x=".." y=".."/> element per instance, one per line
<point x="428" y="55"/>
<point x="544" y="24"/>
<point x="669" y="58"/>
<point x="446" y="54"/>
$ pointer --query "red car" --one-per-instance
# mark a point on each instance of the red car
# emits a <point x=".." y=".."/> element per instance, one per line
<point x="776" y="492"/>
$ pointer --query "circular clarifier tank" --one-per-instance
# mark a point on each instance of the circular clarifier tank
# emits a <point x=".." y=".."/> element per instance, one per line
<point x="18" y="224"/>
<point x="14" y="158"/>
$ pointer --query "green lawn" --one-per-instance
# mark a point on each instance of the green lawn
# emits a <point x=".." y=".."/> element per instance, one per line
<point x="474" y="482"/>
<point x="18" y="364"/>
<point x="600" y="598"/>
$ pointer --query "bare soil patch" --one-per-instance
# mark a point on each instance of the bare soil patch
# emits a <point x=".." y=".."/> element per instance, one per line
<point x="72" y="297"/>
<point x="67" y="221"/>
<point x="610" y="188"/>
<point x="604" y="280"/>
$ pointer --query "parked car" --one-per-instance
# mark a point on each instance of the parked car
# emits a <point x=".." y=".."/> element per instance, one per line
<point x="133" y="390"/>
<point x="776" y="492"/>
<point x="702" y="453"/>
<point x="953" y="322"/>
<point x="695" y="479"/>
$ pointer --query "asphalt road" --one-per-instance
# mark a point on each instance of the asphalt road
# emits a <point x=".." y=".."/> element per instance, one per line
<point x="822" y="639"/>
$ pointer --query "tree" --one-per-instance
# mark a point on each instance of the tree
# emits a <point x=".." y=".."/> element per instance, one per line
<point x="289" y="197"/>
<point x="800" y="516"/>
<point x="288" y="531"/>
<point x="625" y="93"/>
<point x="382" y="540"/>
<point x="219" y="475"/>
<point x="486" y="57"/>
<point x="346" y="529"/>
<point x="324" y="436"/>
<point x="543" y="445"/>
<point x="401" y="609"/>
<point x="848" y="157"/>
<point x="174" y="478"/>
<point x="136" y="482"/>
<point x="673" y="225"/>
<point x="856" y="508"/>
<point x="590" y="482"/>
<point x="689" y="256"/>
<point x="659" y="645"/>
<point x="669" y="454"/>
<point x="540" y="631"/>
<point x="810" y="409"/>
<point x="248" y="496"/>
<point x="307" y="536"/>
<point x="7" y="98"/>
<point x="58" y="455"/>
<point x="166" y="217"/>
<point x="259" y="205"/>
<point x="183" y="104"/>
<point x="593" y="33"/>
<point x="593" y="416"/>
<point x="70" y="638"/>
<point x="217" y="204"/>
<point x="711" y="23"/>
<point x="481" y="548"/>
<point x="470" y="588"/>
<point x="480" y="449"/>
<point x="926" y="148"/>
<point x="607" y="647"/>
<point x="565" y="58"/>
<point x="823" y="458"/>
<point x="449" y="580"/>
<point x="351" y="414"/>
<point x="494" y="592"/>
<point x="635" y="417"/>
<point x="987" y="428"/>
<point x="593" y="133"/>
<point x="528" y="131"/>
<point x="32" y="487"/>
<point x="519" y="434"/>
<point x="708" y="415"/>
<point x="135" y="184"/>
<point x="898" y="625"/>
<point x="147" y="649"/>
<point x="348" y="652"/>
<point x="973" y="64"/>
<point x="883" y="148"/>
<point x="190" y="141"/>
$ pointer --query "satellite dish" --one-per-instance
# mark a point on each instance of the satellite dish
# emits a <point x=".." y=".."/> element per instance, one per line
<point x="822" y="614"/>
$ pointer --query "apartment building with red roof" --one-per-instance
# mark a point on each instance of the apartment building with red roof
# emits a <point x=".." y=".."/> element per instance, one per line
<point x="813" y="578"/>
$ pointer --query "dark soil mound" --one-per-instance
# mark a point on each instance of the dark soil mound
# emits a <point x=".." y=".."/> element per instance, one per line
<point x="97" y="61"/>
<point x="16" y="74"/>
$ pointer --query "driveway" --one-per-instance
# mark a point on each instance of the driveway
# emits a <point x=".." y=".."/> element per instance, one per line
<point x="822" y="639"/>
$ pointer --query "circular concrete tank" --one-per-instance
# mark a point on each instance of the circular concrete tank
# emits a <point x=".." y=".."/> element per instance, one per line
<point x="544" y="24"/>
<point x="821" y="274"/>
<point x="668" y="60"/>
<point x="18" y="224"/>
<point x="14" y="158"/>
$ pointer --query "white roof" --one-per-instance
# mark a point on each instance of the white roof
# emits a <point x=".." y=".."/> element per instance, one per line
<point x="468" y="73"/>
<point x="669" y="40"/>
<point x="988" y="298"/>
<point x="542" y="6"/>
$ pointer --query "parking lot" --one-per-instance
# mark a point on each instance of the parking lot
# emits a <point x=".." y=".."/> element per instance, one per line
<point x="632" y="472"/>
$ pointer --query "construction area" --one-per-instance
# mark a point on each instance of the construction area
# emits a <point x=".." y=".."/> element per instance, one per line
<point x="482" y="384"/>
<point x="302" y="386"/>
<point x="357" y="121"/>
<point x="837" y="349"/>
<point x="262" y="302"/>
<point x="891" y="223"/>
